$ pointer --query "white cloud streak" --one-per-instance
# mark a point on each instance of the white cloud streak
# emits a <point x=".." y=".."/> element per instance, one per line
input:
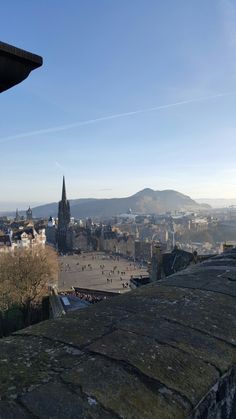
<point x="59" y="166"/>
<point x="110" y="117"/>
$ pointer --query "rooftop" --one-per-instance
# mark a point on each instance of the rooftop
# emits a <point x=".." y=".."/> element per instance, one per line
<point x="166" y="350"/>
<point x="15" y="65"/>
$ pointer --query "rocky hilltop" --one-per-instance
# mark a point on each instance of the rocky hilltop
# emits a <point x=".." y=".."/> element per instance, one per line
<point x="146" y="201"/>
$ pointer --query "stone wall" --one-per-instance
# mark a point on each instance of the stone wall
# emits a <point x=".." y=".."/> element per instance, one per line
<point x="122" y="245"/>
<point x="143" y="250"/>
<point x="220" y="402"/>
<point x="167" y="350"/>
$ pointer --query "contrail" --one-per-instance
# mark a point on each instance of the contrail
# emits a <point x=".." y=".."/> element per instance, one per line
<point x="110" y="117"/>
<point x="59" y="166"/>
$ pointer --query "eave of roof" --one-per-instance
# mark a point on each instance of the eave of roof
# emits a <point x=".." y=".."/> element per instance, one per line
<point x="15" y="65"/>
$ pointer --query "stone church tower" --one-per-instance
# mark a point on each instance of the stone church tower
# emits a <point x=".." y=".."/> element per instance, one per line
<point x="63" y="221"/>
<point x="29" y="214"/>
<point x="17" y="217"/>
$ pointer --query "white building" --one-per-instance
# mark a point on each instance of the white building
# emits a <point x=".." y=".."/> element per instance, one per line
<point x="26" y="238"/>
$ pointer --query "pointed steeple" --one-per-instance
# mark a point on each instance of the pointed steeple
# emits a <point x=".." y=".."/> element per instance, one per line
<point x="17" y="217"/>
<point x="63" y="196"/>
<point x="63" y="221"/>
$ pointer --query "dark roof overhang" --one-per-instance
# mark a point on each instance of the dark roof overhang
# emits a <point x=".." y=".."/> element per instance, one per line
<point x="15" y="65"/>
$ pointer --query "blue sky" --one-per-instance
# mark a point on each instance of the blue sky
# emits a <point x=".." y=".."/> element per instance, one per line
<point x="103" y="58"/>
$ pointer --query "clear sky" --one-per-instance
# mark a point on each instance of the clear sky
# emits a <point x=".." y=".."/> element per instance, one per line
<point x="107" y="57"/>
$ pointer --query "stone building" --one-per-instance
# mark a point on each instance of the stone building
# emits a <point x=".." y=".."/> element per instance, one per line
<point x="51" y="231"/>
<point x="110" y="240"/>
<point x="5" y="243"/>
<point x="17" y="216"/>
<point x="81" y="241"/>
<point x="167" y="263"/>
<point x="64" y="234"/>
<point x="143" y="250"/>
<point x="28" y="237"/>
<point x="22" y="238"/>
<point x="29" y="214"/>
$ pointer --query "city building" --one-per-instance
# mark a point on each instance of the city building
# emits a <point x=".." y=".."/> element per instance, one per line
<point x="17" y="217"/>
<point x="28" y="237"/>
<point x="51" y="231"/>
<point x="64" y="231"/>
<point x="29" y="214"/>
<point x="22" y="237"/>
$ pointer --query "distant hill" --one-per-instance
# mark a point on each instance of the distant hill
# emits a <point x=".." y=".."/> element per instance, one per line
<point x="146" y="201"/>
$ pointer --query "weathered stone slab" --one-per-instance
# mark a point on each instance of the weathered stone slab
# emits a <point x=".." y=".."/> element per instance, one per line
<point x="78" y="329"/>
<point x="101" y="312"/>
<point x="226" y="261"/>
<point x="69" y="331"/>
<point x="210" y="280"/>
<point x="155" y="352"/>
<point x="174" y="368"/>
<point x="230" y="255"/>
<point x="56" y="401"/>
<point x="11" y="410"/>
<point x="201" y="269"/>
<point x="26" y="363"/>
<point x="212" y="313"/>
<point x="190" y="281"/>
<point x="123" y="393"/>
<point x="191" y="341"/>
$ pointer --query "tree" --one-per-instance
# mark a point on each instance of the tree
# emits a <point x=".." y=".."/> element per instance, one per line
<point x="25" y="276"/>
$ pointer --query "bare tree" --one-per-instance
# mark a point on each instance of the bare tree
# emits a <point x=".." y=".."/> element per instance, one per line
<point x="25" y="275"/>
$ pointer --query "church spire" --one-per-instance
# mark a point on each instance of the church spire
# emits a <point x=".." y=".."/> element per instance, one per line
<point x="63" y="197"/>
<point x="17" y="217"/>
<point x="63" y="221"/>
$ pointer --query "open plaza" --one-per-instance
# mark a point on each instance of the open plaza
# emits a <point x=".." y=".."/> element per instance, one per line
<point x="98" y="271"/>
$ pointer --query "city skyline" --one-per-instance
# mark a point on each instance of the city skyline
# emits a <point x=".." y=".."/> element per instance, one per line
<point x="130" y="96"/>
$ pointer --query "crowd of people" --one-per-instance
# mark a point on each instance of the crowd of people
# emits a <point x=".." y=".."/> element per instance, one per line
<point x="90" y="298"/>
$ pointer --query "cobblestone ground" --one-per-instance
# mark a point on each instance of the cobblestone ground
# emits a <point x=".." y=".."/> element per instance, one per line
<point x="97" y="270"/>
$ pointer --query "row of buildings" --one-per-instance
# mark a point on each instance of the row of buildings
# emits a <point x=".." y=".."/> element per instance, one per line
<point x="24" y="232"/>
<point x="69" y="236"/>
<point x="128" y="234"/>
<point x="22" y="237"/>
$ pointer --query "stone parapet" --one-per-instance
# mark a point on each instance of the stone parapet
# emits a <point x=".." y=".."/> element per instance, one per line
<point x="166" y="350"/>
